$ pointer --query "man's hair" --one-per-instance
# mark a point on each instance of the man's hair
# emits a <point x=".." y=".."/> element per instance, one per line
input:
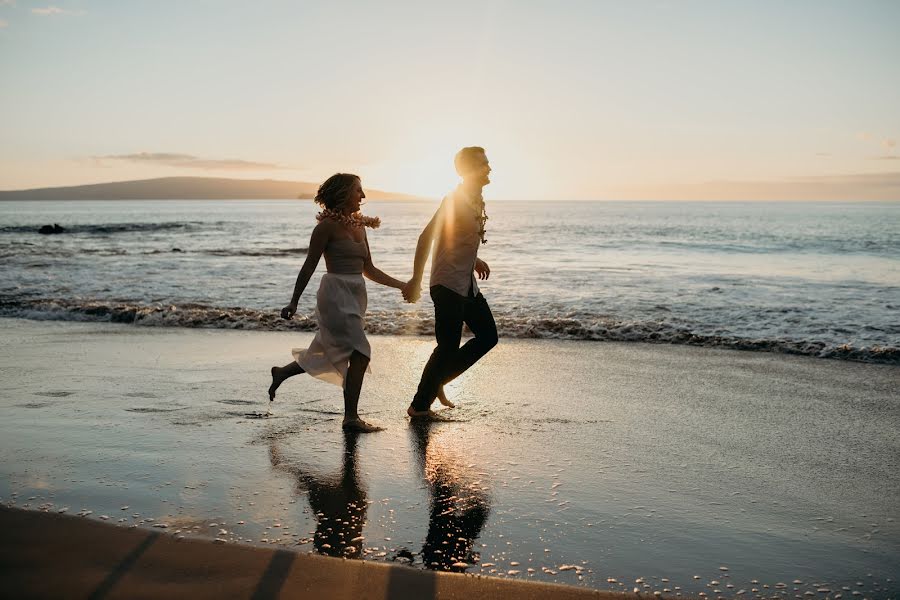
<point x="467" y="159"/>
<point x="334" y="191"/>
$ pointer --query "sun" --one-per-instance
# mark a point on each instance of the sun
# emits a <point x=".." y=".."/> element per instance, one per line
<point x="427" y="175"/>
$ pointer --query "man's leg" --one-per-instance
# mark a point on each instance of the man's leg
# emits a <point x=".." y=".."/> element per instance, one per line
<point x="449" y="311"/>
<point x="477" y="315"/>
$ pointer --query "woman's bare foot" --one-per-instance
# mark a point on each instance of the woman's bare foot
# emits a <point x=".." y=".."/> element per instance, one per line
<point x="442" y="397"/>
<point x="359" y="426"/>
<point x="275" y="383"/>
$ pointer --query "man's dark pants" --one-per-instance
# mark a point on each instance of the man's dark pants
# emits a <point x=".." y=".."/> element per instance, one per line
<point x="448" y="360"/>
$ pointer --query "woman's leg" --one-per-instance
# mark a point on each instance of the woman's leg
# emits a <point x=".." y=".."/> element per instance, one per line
<point x="279" y="374"/>
<point x="352" y="388"/>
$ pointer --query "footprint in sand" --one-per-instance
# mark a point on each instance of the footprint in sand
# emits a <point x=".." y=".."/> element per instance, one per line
<point x="257" y="415"/>
<point x="319" y="412"/>
<point x="153" y="409"/>
<point x="233" y="413"/>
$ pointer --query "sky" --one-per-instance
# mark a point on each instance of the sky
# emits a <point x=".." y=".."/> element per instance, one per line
<point x="572" y="99"/>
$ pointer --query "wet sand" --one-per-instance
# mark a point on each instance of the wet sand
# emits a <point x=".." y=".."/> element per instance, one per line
<point x="603" y="465"/>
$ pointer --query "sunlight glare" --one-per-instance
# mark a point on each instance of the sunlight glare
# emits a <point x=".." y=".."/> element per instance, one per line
<point x="430" y="175"/>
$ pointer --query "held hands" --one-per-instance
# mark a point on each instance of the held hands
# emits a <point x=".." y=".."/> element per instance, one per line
<point x="482" y="269"/>
<point x="288" y="311"/>
<point x="412" y="290"/>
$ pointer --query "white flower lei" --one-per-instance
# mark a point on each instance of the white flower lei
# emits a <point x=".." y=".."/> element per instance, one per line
<point x="356" y="220"/>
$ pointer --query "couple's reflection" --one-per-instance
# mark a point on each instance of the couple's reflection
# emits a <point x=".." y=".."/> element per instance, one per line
<point x="459" y="504"/>
<point x="338" y="501"/>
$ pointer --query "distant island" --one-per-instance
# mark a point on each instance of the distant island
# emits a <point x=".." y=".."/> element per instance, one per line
<point x="188" y="188"/>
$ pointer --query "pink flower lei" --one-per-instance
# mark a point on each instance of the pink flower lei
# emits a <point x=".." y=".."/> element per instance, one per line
<point x="356" y="220"/>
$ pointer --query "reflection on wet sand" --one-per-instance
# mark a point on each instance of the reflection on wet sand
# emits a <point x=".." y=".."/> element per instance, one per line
<point x="338" y="500"/>
<point x="459" y="503"/>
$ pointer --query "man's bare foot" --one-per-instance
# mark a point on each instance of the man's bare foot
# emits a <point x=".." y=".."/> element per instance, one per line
<point x="442" y="397"/>
<point x="359" y="426"/>
<point x="412" y="412"/>
<point x="275" y="383"/>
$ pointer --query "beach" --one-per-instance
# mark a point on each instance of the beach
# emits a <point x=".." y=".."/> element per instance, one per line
<point x="682" y="224"/>
<point x="605" y="465"/>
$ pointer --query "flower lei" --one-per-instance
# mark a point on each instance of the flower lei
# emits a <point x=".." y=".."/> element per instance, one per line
<point x="356" y="220"/>
<point x="480" y="216"/>
<point x="482" y="220"/>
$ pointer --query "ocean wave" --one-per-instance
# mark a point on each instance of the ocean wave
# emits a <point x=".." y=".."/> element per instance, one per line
<point x="255" y="252"/>
<point x="107" y="228"/>
<point x="26" y="249"/>
<point x="769" y="246"/>
<point x="20" y="250"/>
<point x="420" y="322"/>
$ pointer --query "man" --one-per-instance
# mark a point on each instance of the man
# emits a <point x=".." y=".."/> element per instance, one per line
<point x="454" y="233"/>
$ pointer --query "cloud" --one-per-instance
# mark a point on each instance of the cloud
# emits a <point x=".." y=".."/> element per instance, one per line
<point x="887" y="145"/>
<point x="849" y="187"/>
<point x="7" y="2"/>
<point x="3" y="23"/>
<point x="188" y="161"/>
<point x="51" y="11"/>
<point x="891" y="179"/>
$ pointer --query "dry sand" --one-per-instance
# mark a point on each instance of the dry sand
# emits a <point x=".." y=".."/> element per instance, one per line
<point x="51" y="556"/>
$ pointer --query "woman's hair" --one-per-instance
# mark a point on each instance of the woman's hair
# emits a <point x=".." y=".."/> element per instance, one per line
<point x="333" y="193"/>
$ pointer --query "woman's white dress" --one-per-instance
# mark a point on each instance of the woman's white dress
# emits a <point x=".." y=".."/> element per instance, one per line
<point x="340" y="312"/>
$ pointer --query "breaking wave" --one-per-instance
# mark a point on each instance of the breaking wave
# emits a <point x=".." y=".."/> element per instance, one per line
<point x="26" y="249"/>
<point x="108" y="228"/>
<point x="198" y="315"/>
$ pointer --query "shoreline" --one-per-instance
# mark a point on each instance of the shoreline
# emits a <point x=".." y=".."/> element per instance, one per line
<point x="197" y="316"/>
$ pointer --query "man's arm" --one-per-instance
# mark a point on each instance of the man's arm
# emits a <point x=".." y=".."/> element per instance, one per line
<point x="482" y="269"/>
<point x="412" y="291"/>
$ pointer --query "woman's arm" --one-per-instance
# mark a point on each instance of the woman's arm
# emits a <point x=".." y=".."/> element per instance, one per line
<point x="377" y="275"/>
<point x="317" y="243"/>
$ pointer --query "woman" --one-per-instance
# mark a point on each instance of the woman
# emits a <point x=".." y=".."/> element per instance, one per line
<point x="340" y="352"/>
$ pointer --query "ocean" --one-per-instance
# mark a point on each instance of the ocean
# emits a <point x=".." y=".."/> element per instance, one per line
<point x="816" y="279"/>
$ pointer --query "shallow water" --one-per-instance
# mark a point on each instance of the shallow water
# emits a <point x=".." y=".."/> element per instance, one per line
<point x="611" y="466"/>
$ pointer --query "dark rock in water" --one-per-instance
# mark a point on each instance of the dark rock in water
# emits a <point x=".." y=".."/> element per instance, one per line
<point x="51" y="229"/>
<point x="177" y="250"/>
